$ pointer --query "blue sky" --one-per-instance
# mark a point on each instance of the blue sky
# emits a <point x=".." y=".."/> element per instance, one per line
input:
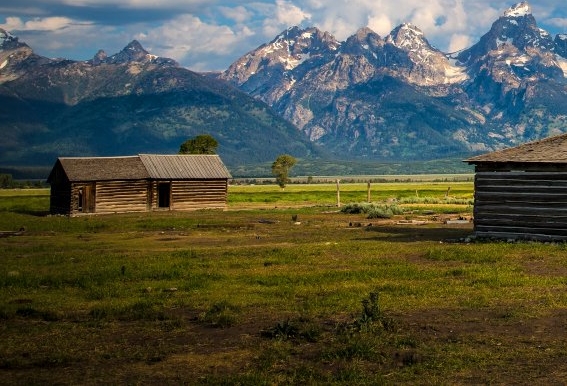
<point x="205" y="35"/>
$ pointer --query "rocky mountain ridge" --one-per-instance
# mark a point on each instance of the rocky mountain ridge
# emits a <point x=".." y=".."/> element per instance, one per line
<point x="127" y="103"/>
<point x="397" y="97"/>
<point x="370" y="98"/>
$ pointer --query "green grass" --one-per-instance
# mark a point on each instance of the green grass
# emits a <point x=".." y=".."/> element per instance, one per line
<point x="326" y="194"/>
<point x="295" y="295"/>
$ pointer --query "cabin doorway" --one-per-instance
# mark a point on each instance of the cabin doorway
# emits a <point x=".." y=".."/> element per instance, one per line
<point x="164" y="194"/>
<point x="86" y="198"/>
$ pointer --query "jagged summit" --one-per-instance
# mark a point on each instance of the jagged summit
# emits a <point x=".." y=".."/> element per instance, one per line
<point x="133" y="52"/>
<point x="363" y="42"/>
<point x="518" y="10"/>
<point x="99" y="57"/>
<point x="277" y="61"/>
<point x="297" y="41"/>
<point x="407" y="36"/>
<point x="9" y="41"/>
<point x="513" y="34"/>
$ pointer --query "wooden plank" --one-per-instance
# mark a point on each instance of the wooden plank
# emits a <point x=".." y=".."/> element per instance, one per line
<point x="197" y="194"/>
<point x="546" y="209"/>
<point x="482" y="182"/>
<point x="520" y="203"/>
<point x="482" y="194"/>
<point x="122" y="196"/>
<point x="561" y="175"/>
<point x="522" y="230"/>
<point x="521" y="235"/>
<point x="519" y="224"/>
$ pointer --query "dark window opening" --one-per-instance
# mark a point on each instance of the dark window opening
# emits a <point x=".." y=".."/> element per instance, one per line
<point x="164" y="194"/>
<point x="80" y="200"/>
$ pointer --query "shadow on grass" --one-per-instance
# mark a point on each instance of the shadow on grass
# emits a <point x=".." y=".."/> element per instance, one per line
<point x="409" y="233"/>
<point x="30" y="212"/>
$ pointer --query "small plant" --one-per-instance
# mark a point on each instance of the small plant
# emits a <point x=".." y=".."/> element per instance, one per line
<point x="371" y="307"/>
<point x="372" y="316"/>
<point x="220" y="315"/>
<point x="287" y="329"/>
<point x="282" y="330"/>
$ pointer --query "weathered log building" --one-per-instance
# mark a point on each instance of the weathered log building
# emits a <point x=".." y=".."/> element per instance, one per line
<point x="521" y="192"/>
<point x="147" y="182"/>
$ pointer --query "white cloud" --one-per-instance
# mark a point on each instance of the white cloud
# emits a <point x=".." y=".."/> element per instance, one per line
<point x="197" y="32"/>
<point x="558" y="22"/>
<point x="187" y="37"/>
<point x="239" y="14"/>
<point x="285" y="14"/>
<point x="38" y="24"/>
<point x="381" y="24"/>
<point x="459" y="42"/>
<point x="133" y="4"/>
<point x="290" y="14"/>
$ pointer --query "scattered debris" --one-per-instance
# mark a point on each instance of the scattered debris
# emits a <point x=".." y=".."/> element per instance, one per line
<point x="12" y="233"/>
<point x="457" y="221"/>
<point x="412" y="222"/>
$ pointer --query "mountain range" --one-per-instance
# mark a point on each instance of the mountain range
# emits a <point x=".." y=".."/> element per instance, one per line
<point x="368" y="99"/>
<point x="397" y="97"/>
<point x="128" y="103"/>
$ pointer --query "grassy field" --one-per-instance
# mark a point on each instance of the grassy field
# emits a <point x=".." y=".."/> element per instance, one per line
<point x="281" y="288"/>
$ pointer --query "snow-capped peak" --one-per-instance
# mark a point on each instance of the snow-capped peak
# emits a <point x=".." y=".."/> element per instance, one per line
<point x="6" y="38"/>
<point x="518" y="10"/>
<point x="406" y="36"/>
<point x="9" y="41"/>
<point x="4" y="35"/>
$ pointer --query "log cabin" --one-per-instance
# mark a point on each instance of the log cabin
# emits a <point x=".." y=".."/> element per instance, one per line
<point x="521" y="192"/>
<point x="146" y="182"/>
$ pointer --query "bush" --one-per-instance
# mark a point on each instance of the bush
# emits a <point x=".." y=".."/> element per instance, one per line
<point x="372" y="210"/>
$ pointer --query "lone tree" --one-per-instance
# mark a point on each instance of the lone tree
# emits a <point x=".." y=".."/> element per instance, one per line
<point x="281" y="167"/>
<point x="201" y="144"/>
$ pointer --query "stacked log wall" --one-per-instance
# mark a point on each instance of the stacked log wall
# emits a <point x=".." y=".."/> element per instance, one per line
<point x="521" y="204"/>
<point x="199" y="194"/>
<point x="121" y="196"/>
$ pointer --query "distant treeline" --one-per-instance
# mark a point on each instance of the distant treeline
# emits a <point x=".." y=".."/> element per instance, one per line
<point x="8" y="182"/>
<point x="359" y="179"/>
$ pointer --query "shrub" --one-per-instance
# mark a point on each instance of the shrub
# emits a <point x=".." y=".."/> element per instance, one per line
<point x="372" y="210"/>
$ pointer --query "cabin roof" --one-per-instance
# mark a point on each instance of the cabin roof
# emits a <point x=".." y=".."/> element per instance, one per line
<point x="144" y="166"/>
<point x="548" y="150"/>
<point x="190" y="166"/>
<point x="101" y="168"/>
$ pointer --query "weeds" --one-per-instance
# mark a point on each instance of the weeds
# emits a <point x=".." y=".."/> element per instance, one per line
<point x="371" y="318"/>
<point x="372" y="210"/>
<point x="220" y="315"/>
<point x="282" y="330"/>
<point x="296" y="329"/>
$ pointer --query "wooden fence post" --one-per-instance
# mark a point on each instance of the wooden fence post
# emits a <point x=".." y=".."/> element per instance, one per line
<point x="338" y="194"/>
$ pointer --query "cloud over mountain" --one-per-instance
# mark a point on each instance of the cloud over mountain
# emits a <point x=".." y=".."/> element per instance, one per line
<point x="204" y="35"/>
